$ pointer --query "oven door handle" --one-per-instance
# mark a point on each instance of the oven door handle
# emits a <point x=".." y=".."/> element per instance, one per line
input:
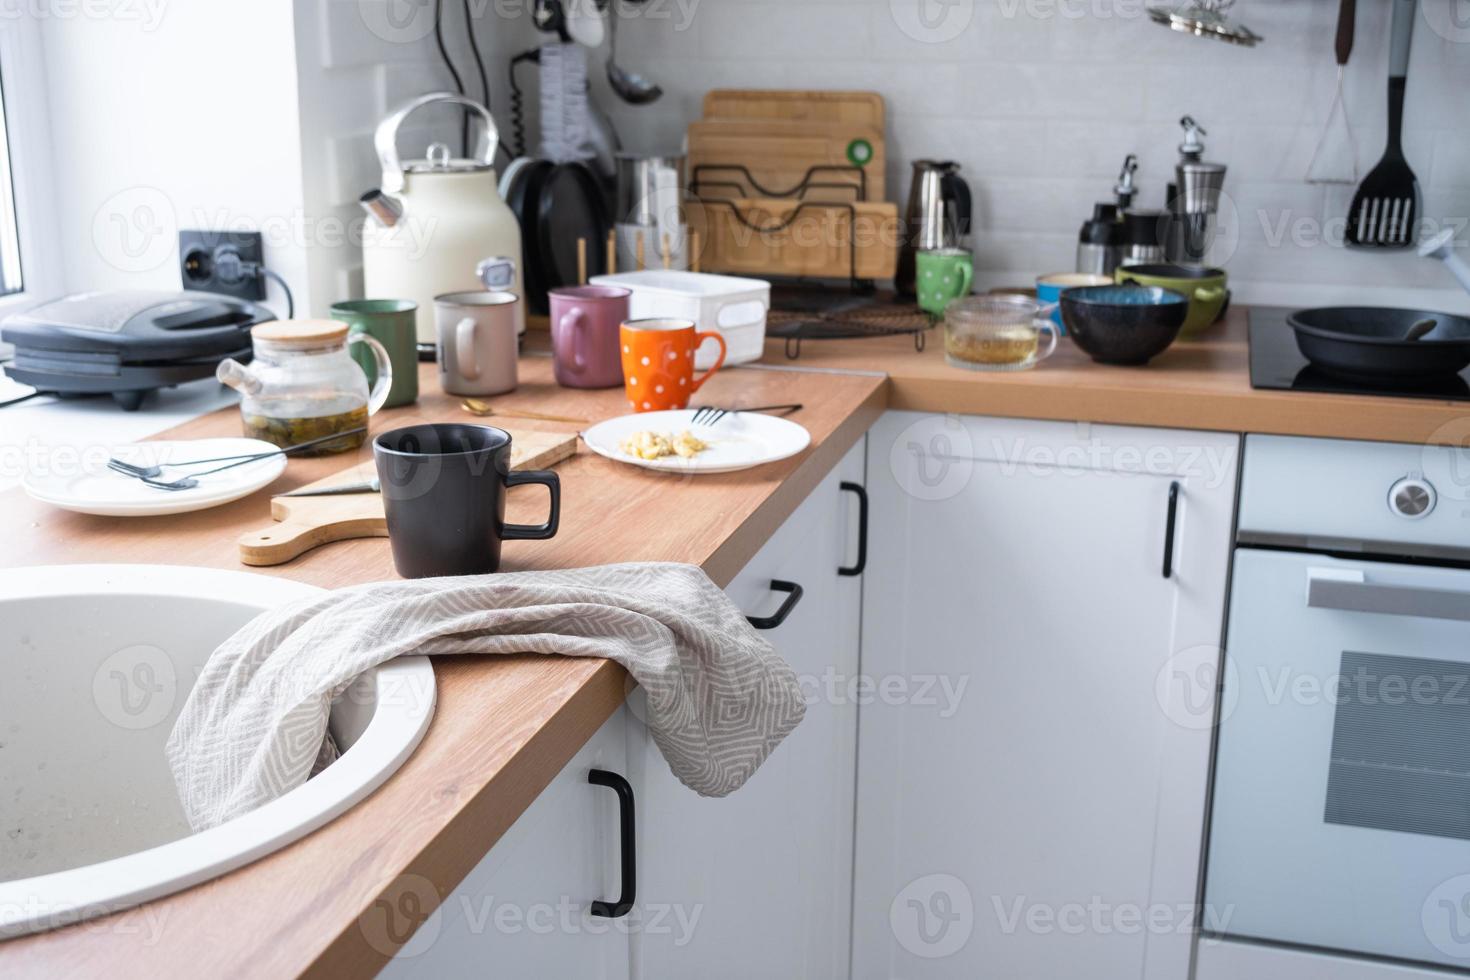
<point x="1349" y="591"/>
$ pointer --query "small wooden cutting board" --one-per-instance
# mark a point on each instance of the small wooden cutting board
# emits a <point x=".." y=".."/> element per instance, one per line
<point x="303" y="523"/>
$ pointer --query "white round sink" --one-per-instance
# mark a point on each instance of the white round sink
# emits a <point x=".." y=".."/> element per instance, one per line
<point x="95" y="663"/>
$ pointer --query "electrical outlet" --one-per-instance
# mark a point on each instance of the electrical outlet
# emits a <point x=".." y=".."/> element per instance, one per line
<point x="224" y="262"/>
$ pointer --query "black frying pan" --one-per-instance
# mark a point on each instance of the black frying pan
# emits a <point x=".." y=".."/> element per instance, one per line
<point x="571" y="207"/>
<point x="1368" y="341"/>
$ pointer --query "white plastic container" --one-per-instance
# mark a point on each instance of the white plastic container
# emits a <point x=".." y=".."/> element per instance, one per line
<point x="734" y="306"/>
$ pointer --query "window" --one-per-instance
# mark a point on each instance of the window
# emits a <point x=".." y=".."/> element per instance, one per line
<point x="29" y="267"/>
<point x="10" y="269"/>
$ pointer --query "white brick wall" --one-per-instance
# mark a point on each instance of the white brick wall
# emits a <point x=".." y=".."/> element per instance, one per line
<point x="1040" y="100"/>
<point x="356" y="59"/>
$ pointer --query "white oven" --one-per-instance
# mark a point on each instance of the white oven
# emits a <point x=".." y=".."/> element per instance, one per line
<point x="1339" y="839"/>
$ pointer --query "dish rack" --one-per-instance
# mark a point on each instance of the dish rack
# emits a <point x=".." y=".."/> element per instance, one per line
<point x="790" y="184"/>
<point x="753" y="230"/>
<point x="881" y="316"/>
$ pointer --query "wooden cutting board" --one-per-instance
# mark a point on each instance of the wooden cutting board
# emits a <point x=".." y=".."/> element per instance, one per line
<point x="303" y="523"/>
<point x="815" y="243"/>
<point x="863" y="108"/>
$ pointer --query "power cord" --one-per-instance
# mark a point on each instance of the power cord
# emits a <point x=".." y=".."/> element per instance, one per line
<point x="469" y="29"/>
<point x="453" y="72"/>
<point x="231" y="269"/>
<point x="281" y="281"/>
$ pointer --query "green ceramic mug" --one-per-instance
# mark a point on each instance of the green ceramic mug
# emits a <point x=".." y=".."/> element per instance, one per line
<point x="1205" y="288"/>
<point x="943" y="274"/>
<point x="391" y="323"/>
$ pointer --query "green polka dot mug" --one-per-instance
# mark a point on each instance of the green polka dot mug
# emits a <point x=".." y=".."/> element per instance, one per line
<point x="942" y="275"/>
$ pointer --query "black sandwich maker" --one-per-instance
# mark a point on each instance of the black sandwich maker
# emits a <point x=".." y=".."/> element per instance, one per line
<point x="127" y="343"/>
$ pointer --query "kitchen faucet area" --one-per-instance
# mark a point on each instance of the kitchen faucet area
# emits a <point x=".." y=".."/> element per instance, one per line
<point x="735" y="489"/>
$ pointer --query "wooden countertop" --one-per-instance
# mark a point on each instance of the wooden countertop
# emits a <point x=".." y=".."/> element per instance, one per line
<point x="503" y="725"/>
<point x="1200" y="384"/>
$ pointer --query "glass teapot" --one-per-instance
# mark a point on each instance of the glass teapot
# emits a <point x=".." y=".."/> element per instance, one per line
<point x="302" y="385"/>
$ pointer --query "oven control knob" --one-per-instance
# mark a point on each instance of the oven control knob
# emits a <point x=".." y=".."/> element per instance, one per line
<point x="1412" y="498"/>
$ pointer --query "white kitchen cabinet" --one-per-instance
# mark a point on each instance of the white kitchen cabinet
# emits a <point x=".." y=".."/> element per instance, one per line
<point x="1031" y="791"/>
<point x="758" y="884"/>
<point x="525" y="910"/>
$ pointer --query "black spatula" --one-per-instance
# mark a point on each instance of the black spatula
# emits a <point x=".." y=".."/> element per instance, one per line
<point x="1386" y="206"/>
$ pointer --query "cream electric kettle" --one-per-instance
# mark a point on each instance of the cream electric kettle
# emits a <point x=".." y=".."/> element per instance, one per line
<point x="435" y="220"/>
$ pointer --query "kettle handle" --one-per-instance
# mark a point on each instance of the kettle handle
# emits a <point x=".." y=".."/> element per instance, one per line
<point x="385" y="138"/>
<point x="959" y="192"/>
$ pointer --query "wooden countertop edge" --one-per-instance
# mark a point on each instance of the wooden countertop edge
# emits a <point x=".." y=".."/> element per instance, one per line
<point x="736" y="550"/>
<point x="1252" y="411"/>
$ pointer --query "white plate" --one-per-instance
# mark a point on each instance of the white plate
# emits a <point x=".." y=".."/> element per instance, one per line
<point x="738" y="441"/>
<point x="80" y="480"/>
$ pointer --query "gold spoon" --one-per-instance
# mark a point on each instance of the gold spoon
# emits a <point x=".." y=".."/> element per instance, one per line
<point x="483" y="408"/>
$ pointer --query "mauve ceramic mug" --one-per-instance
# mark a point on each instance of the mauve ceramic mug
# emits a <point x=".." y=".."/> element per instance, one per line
<point x="444" y="491"/>
<point x="584" y="335"/>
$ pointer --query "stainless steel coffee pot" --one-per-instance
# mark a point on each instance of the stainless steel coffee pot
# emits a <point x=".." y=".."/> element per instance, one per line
<point x="938" y="215"/>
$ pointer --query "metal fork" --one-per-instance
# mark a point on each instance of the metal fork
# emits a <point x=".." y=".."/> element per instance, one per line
<point x="190" y="482"/>
<point x="153" y="472"/>
<point x="710" y="414"/>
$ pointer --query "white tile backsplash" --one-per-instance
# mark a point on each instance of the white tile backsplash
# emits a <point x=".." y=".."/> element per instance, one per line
<point x="1040" y="100"/>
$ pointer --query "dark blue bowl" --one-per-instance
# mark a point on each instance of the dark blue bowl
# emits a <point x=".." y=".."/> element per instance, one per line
<point x="1124" y="324"/>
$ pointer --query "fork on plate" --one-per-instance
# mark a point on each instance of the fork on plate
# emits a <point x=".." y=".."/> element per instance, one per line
<point x="710" y="414"/>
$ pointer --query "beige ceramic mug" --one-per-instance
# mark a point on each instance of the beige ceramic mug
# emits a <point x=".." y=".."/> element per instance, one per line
<point x="477" y="342"/>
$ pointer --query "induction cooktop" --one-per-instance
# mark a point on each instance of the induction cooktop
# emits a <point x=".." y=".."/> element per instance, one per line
<point x="1277" y="363"/>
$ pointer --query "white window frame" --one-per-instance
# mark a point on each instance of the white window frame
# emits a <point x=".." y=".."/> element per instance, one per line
<point x="23" y="80"/>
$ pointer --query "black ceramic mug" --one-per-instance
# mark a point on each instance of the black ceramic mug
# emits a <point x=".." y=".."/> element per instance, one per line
<point x="444" y="490"/>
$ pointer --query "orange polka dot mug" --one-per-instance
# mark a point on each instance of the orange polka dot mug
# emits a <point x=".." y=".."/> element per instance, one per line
<point x="658" y="362"/>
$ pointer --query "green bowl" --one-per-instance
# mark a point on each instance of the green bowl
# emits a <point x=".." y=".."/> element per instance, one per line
<point x="1205" y="288"/>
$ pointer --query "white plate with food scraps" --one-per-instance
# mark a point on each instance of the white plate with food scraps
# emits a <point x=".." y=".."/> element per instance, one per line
<point x="737" y="441"/>
<point x="81" y="482"/>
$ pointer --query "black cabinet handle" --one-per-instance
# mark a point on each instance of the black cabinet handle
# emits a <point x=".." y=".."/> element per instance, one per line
<point x="1169" y="529"/>
<point x="771" y="622"/>
<point x="612" y="910"/>
<point x="862" y="558"/>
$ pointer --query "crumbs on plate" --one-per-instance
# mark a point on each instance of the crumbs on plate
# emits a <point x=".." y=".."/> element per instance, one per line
<point x="657" y="445"/>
